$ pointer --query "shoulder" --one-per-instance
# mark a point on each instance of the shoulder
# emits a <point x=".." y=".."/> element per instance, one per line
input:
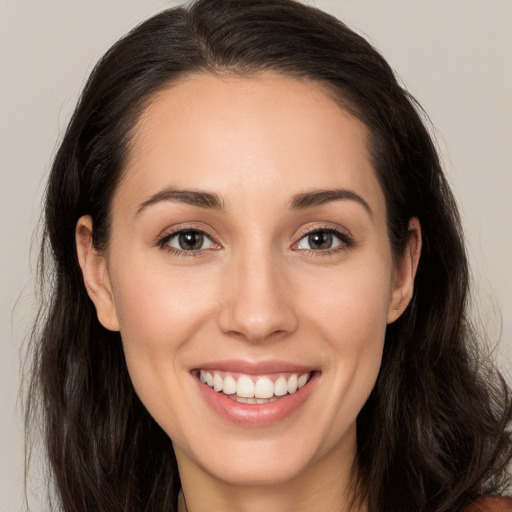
<point x="490" y="504"/>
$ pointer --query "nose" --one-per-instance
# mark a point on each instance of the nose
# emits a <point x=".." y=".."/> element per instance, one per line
<point x="257" y="300"/>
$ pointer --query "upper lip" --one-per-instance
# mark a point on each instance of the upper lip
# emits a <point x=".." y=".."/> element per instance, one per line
<point x="254" y="367"/>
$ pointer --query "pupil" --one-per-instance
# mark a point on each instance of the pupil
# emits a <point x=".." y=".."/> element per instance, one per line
<point x="190" y="241"/>
<point x="320" y="240"/>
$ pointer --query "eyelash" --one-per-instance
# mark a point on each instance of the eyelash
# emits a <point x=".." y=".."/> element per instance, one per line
<point x="346" y="241"/>
<point x="182" y="253"/>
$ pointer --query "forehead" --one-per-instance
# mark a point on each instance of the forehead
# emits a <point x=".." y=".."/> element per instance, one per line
<point x="245" y="134"/>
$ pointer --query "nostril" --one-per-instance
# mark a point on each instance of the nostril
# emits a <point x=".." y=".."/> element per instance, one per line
<point x="257" y="329"/>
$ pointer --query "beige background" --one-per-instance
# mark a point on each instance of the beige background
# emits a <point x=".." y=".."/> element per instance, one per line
<point x="453" y="55"/>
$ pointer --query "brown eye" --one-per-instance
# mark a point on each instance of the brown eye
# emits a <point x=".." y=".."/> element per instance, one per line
<point x="322" y="240"/>
<point x="189" y="241"/>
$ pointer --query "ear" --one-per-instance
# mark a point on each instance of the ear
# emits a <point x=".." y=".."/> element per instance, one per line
<point x="95" y="274"/>
<point x="405" y="272"/>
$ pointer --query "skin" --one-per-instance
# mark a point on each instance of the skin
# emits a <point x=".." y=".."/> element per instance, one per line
<point x="258" y="291"/>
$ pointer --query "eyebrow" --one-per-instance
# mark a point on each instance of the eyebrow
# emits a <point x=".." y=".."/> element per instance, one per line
<point x="193" y="197"/>
<point x="320" y="197"/>
<point x="210" y="200"/>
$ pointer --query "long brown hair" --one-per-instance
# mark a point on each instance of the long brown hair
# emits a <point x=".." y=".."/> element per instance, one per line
<point x="433" y="434"/>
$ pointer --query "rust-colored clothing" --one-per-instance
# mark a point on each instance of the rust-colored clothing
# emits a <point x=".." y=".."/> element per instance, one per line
<point x="487" y="504"/>
<point x="490" y="504"/>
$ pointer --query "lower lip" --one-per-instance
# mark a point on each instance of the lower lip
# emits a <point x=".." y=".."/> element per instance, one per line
<point x="256" y="415"/>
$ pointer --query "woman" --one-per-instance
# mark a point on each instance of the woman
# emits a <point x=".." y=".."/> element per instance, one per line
<point x="260" y="282"/>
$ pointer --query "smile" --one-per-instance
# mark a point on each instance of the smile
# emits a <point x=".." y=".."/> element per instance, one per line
<point x="250" y="389"/>
<point x="255" y="394"/>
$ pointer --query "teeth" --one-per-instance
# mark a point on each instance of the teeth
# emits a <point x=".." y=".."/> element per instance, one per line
<point x="302" y="381"/>
<point x="245" y="387"/>
<point x="229" y="385"/>
<point x="217" y="382"/>
<point x="292" y="384"/>
<point x="264" y="388"/>
<point x="280" y="386"/>
<point x="245" y="390"/>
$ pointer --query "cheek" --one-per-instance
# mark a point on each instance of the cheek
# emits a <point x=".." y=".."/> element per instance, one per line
<point x="154" y="302"/>
<point x="159" y="311"/>
<point x="349" y="319"/>
<point x="162" y="312"/>
<point x="360" y="319"/>
<point x="351" y="303"/>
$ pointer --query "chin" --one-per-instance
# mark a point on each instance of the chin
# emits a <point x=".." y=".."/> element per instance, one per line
<point x="258" y="467"/>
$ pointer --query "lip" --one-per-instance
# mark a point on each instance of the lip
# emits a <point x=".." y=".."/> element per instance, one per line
<point x="254" y="367"/>
<point x="255" y="415"/>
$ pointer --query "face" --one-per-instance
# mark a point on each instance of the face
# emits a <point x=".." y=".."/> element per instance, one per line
<point x="249" y="249"/>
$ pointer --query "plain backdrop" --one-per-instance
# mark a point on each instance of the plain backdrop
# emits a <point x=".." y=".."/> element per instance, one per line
<point x="453" y="55"/>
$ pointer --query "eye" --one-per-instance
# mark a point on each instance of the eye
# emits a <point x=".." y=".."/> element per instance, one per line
<point x="323" y="240"/>
<point x="188" y="240"/>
